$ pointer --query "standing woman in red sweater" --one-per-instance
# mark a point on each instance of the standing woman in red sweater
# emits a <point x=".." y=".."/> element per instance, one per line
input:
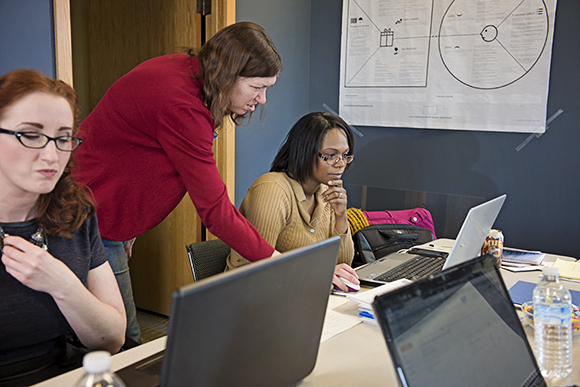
<point x="149" y="141"/>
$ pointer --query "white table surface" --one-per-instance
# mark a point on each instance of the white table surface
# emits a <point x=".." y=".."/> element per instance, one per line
<point x="356" y="357"/>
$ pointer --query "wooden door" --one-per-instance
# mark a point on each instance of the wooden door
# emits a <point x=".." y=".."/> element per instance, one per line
<point x="116" y="36"/>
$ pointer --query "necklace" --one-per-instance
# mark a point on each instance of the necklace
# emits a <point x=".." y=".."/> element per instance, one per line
<point x="38" y="238"/>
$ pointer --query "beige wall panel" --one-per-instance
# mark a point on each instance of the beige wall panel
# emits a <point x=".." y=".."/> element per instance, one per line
<point x="62" y="41"/>
<point x="160" y="264"/>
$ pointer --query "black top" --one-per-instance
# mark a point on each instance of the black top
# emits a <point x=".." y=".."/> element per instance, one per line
<point x="31" y="324"/>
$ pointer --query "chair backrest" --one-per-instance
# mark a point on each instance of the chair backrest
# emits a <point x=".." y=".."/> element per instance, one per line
<point x="207" y="258"/>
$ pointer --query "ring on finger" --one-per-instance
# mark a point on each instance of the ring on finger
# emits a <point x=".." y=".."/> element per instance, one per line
<point x="339" y="195"/>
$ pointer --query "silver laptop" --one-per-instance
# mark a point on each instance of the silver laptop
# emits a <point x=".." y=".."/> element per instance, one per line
<point x="258" y="325"/>
<point x="457" y="328"/>
<point x="419" y="262"/>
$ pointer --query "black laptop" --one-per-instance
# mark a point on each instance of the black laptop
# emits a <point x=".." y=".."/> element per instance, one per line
<point x="258" y="325"/>
<point x="457" y="328"/>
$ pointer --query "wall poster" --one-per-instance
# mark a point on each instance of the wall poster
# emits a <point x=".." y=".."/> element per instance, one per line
<point x="447" y="64"/>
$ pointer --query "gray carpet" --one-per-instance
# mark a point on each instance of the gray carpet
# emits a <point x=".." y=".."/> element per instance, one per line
<point x="153" y="325"/>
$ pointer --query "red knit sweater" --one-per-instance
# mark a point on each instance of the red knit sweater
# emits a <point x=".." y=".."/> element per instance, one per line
<point x="145" y="144"/>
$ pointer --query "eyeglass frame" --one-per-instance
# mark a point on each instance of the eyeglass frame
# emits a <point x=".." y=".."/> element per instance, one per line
<point x="18" y="135"/>
<point x="347" y="159"/>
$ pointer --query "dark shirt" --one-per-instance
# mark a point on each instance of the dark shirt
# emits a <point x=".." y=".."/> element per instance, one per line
<point x="31" y="324"/>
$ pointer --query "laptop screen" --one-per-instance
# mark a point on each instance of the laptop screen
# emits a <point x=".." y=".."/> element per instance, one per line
<point x="258" y="325"/>
<point x="474" y="230"/>
<point x="458" y="328"/>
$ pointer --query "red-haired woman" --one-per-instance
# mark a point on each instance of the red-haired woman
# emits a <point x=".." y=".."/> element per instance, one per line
<point x="54" y="274"/>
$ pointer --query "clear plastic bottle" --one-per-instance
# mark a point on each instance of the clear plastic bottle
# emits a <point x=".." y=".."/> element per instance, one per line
<point x="553" y="326"/>
<point x="97" y="366"/>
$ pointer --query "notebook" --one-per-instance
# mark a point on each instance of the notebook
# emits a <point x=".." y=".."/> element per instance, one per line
<point x="424" y="260"/>
<point x="522" y="291"/>
<point x="258" y="325"/>
<point x="458" y="328"/>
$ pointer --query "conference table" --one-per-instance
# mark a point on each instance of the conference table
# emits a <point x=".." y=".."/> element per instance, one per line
<point x="355" y="357"/>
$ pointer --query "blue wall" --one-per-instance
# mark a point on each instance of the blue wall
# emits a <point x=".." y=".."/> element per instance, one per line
<point x="542" y="181"/>
<point x="288" y="25"/>
<point x="26" y="36"/>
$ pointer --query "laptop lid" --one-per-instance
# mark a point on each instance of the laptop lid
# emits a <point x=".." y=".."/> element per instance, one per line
<point x="258" y="325"/>
<point x="474" y="230"/>
<point x="458" y="328"/>
<point x="470" y="238"/>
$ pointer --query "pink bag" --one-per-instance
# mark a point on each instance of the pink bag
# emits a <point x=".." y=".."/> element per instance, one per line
<point x="417" y="216"/>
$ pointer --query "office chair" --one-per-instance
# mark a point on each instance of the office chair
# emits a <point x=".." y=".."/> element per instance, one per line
<point x="207" y="258"/>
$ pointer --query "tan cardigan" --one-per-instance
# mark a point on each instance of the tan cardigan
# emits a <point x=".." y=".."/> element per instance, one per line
<point x="276" y="205"/>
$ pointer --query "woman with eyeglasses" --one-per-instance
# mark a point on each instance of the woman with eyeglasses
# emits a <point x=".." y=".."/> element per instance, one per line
<point x="54" y="275"/>
<point x="149" y="141"/>
<point x="301" y="200"/>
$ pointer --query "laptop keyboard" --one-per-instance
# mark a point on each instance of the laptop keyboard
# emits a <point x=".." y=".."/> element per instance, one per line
<point x="414" y="268"/>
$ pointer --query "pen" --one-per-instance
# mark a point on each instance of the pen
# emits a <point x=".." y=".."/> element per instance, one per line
<point x="366" y="314"/>
<point x="515" y="264"/>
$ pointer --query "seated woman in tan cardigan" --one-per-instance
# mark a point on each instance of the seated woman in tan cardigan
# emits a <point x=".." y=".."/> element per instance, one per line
<point x="301" y="200"/>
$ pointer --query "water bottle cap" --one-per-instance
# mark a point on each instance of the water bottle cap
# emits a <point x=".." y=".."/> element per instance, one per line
<point x="97" y="362"/>
<point x="551" y="271"/>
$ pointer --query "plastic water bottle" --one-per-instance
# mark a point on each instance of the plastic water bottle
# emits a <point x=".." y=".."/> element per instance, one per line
<point x="97" y="366"/>
<point x="553" y="326"/>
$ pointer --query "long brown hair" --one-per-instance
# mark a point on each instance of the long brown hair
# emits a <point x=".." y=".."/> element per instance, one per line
<point x="63" y="210"/>
<point x="240" y="50"/>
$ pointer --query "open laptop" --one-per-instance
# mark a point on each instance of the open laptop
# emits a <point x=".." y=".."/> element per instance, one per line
<point x="258" y="325"/>
<point x="424" y="260"/>
<point x="457" y="328"/>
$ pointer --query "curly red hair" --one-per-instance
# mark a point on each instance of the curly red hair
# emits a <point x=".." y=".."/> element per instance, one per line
<point x="62" y="211"/>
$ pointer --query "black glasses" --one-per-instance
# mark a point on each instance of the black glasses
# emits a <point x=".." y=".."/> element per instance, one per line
<point x="35" y="140"/>
<point x="332" y="160"/>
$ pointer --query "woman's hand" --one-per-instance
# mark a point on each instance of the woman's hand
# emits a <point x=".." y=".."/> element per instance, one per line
<point x="34" y="266"/>
<point x="348" y="273"/>
<point x="335" y="195"/>
<point x="95" y="312"/>
<point x="129" y="247"/>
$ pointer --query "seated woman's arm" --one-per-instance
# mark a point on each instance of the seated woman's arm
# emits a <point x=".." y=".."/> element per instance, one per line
<point x="98" y="316"/>
<point x="95" y="312"/>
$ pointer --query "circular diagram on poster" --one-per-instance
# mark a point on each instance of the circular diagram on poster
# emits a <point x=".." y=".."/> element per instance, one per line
<point x="489" y="45"/>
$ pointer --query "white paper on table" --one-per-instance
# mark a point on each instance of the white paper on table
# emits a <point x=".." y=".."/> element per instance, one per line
<point x="335" y="323"/>
<point x="517" y="269"/>
<point x="336" y="301"/>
